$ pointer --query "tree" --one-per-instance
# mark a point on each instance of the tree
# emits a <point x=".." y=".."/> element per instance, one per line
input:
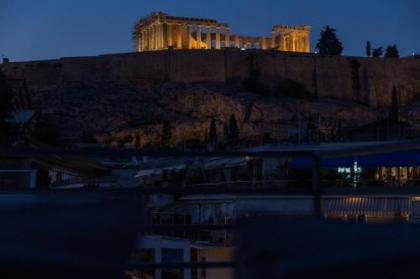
<point x="395" y="108"/>
<point x="6" y="96"/>
<point x="377" y="52"/>
<point x="226" y="132"/>
<point x="368" y="49"/>
<point x="392" y="52"/>
<point x="233" y="131"/>
<point x="137" y="142"/>
<point x="166" y="140"/>
<point x="212" y="138"/>
<point x="329" y="43"/>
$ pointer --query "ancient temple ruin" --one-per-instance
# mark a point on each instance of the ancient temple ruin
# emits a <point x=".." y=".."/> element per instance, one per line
<point x="160" y="31"/>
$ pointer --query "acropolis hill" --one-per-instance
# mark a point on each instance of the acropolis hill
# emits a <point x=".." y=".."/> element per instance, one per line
<point x="117" y="96"/>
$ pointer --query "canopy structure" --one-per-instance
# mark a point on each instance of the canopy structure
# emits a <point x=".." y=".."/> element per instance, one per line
<point x="391" y="159"/>
<point x="156" y="168"/>
<point x="364" y="154"/>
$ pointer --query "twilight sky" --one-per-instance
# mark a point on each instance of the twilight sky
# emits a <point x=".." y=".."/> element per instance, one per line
<point x="45" y="29"/>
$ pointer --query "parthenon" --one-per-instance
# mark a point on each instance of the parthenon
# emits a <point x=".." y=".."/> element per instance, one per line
<point x="159" y="31"/>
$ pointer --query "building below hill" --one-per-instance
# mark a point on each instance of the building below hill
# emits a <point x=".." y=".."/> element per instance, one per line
<point x="159" y="31"/>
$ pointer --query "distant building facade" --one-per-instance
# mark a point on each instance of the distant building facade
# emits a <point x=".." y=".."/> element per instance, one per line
<point x="160" y="31"/>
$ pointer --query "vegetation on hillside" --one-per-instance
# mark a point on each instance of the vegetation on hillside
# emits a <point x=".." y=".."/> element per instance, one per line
<point x="377" y="52"/>
<point x="328" y="43"/>
<point x="166" y="137"/>
<point x="392" y="52"/>
<point x="368" y="49"/>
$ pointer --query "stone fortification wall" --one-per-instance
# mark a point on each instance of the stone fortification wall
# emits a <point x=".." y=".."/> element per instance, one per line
<point x="365" y="80"/>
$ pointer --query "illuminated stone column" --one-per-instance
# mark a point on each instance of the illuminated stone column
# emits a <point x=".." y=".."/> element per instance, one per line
<point x="189" y="36"/>
<point x="301" y="45"/>
<point x="307" y="44"/>
<point x="217" y="37"/>
<point x="281" y="42"/>
<point x="162" y="38"/>
<point x="141" y="46"/>
<point x="198" y="36"/>
<point x="144" y="44"/>
<point x="208" y="37"/>
<point x="164" y="35"/>
<point x="154" y="41"/>
<point x="263" y="44"/>
<point x="284" y="42"/>
<point x="179" y="37"/>
<point x="149" y="38"/>
<point x="287" y="43"/>
<point x="169" y="35"/>
<point x="273" y="39"/>
<point x="227" y="37"/>
<point x="158" y="37"/>
<point x="146" y="39"/>
<point x="237" y="42"/>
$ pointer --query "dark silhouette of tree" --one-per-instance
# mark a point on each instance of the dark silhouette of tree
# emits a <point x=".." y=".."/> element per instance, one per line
<point x="5" y="108"/>
<point x="368" y="49"/>
<point x="329" y="43"/>
<point x="392" y="52"/>
<point x="377" y="52"/>
<point x="166" y="140"/>
<point x="233" y="138"/>
<point x="226" y="132"/>
<point x="137" y="142"/>
<point x="395" y="107"/>
<point x="212" y="139"/>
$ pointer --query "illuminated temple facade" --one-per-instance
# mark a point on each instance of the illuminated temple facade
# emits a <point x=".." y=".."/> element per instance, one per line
<point x="159" y="31"/>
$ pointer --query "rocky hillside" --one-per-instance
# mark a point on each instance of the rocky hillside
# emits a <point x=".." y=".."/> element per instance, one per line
<point x="117" y="98"/>
<point x="118" y="114"/>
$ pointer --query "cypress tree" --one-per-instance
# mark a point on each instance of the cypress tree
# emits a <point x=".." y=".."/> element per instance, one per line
<point x="166" y="140"/>
<point x="329" y="43"/>
<point x="233" y="131"/>
<point x="368" y="49"/>
<point x="226" y="133"/>
<point x="212" y="138"/>
<point x="137" y="142"/>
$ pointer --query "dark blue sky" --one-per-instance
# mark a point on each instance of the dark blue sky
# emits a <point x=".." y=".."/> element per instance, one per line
<point x="42" y="29"/>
